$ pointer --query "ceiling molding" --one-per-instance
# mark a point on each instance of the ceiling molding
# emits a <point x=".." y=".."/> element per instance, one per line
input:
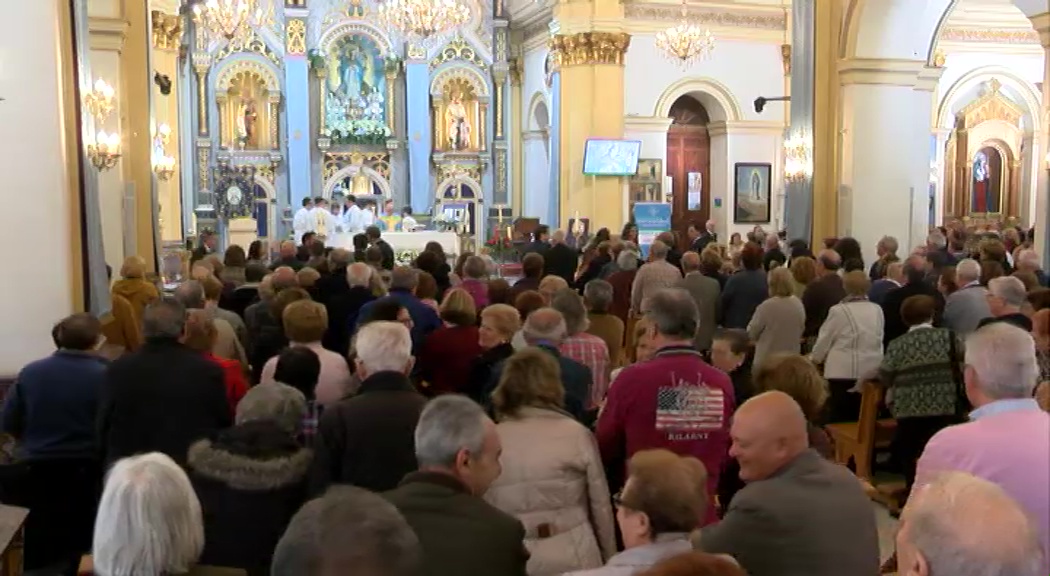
<point x="766" y="18"/>
<point x="107" y="34"/>
<point x="990" y="35"/>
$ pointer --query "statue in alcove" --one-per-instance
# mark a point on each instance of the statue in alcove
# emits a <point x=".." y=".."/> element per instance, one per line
<point x="247" y="124"/>
<point x="457" y="125"/>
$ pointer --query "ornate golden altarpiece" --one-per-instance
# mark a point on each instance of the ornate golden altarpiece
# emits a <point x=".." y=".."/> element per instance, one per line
<point x="991" y="121"/>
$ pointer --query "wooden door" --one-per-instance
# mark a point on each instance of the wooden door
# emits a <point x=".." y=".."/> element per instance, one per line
<point x="688" y="151"/>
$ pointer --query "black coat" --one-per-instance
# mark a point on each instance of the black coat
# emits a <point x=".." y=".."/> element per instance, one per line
<point x="161" y="398"/>
<point x="593" y="271"/>
<point x="342" y="314"/>
<point x="891" y="308"/>
<point x="560" y="260"/>
<point x="482" y="369"/>
<point x="331" y="284"/>
<point x="368" y="439"/>
<point x="250" y="481"/>
<point x="703" y="240"/>
<point x="461" y="534"/>
<point x="388" y="254"/>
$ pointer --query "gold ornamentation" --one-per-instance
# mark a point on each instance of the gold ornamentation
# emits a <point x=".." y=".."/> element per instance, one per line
<point x="167" y="30"/>
<point x="203" y="153"/>
<point x="589" y="48"/>
<point x="251" y="43"/>
<point x="515" y="69"/>
<point x="713" y="18"/>
<point x="501" y="45"/>
<point x="274" y="105"/>
<point x="457" y="49"/>
<point x="939" y="58"/>
<point x="989" y="35"/>
<point x="296" y="37"/>
<point x="468" y="75"/>
<point x="229" y="73"/>
<point x="785" y="56"/>
<point x="456" y="169"/>
<point x="354" y="9"/>
<point x="685" y="43"/>
<point x="992" y="106"/>
<point x="501" y="173"/>
<point x="202" y="101"/>
<point x="265" y="172"/>
<point x="416" y="51"/>
<point x="499" y="109"/>
<point x="336" y="161"/>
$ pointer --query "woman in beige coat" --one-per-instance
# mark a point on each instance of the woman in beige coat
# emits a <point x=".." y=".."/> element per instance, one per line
<point x="778" y="323"/>
<point x="552" y="479"/>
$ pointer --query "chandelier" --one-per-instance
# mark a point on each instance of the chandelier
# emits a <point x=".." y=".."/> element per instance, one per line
<point x="423" y="20"/>
<point x="233" y="20"/>
<point x="99" y="101"/>
<point x="685" y="42"/>
<point x="798" y="159"/>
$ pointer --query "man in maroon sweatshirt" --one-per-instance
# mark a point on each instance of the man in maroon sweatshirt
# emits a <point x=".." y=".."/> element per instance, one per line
<point x="674" y="401"/>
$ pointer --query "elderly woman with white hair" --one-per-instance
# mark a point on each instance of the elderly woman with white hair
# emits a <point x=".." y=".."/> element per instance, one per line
<point x="252" y="478"/>
<point x="621" y="281"/>
<point x="149" y="522"/>
<point x="366" y="439"/>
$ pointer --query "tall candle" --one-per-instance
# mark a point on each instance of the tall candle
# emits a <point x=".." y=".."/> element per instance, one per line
<point x="510" y="233"/>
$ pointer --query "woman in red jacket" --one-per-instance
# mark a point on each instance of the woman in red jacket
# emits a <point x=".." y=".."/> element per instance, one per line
<point x="449" y="351"/>
<point x="200" y="336"/>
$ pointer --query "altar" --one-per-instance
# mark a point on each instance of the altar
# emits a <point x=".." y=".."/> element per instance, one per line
<point x="413" y="241"/>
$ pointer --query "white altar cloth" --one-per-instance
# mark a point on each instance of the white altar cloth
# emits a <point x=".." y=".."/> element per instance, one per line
<point x="413" y="241"/>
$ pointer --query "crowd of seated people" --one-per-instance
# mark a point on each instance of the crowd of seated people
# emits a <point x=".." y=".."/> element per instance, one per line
<point x="328" y="412"/>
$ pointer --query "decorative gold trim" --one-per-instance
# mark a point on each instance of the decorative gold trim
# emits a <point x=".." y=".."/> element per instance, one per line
<point x="416" y="52"/>
<point x="774" y="19"/>
<point x="465" y="73"/>
<point x="274" y="105"/>
<point x="203" y="156"/>
<point x="334" y="162"/>
<point x="499" y="109"/>
<point x="989" y="36"/>
<point x="458" y="49"/>
<point x="393" y="67"/>
<point x="785" y="58"/>
<point x="202" y="102"/>
<point x="501" y="44"/>
<point x="455" y="170"/>
<point x="167" y="30"/>
<point x="991" y="106"/>
<point x="501" y="174"/>
<point x="73" y="155"/>
<point x="252" y="43"/>
<point x="228" y="72"/>
<point x="296" y="37"/>
<point x="590" y="48"/>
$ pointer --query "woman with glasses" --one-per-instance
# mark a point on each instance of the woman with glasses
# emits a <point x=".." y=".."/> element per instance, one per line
<point x="659" y="506"/>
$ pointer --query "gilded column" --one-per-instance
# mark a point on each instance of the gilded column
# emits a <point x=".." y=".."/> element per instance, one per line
<point x="1042" y="195"/>
<point x="275" y="132"/>
<point x="516" y="143"/>
<point x="393" y="66"/>
<point x="591" y="71"/>
<point x="137" y="80"/>
<point x="320" y="71"/>
<point x="826" y="140"/>
<point x="500" y="74"/>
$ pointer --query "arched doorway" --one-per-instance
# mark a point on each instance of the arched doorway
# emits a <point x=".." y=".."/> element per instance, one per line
<point x="689" y="162"/>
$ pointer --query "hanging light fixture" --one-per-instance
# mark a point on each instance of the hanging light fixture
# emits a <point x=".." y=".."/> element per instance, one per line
<point x="423" y="20"/>
<point x="685" y="42"/>
<point x="798" y="159"/>
<point x="232" y="20"/>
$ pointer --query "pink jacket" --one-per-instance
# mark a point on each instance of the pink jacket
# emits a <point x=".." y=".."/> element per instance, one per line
<point x="1008" y="445"/>
<point x="333" y="383"/>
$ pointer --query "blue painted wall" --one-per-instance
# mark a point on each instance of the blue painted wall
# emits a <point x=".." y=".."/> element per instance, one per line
<point x="297" y="114"/>
<point x="417" y="82"/>
<point x="555" y="161"/>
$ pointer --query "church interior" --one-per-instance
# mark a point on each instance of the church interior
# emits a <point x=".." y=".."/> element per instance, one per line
<point x="137" y="128"/>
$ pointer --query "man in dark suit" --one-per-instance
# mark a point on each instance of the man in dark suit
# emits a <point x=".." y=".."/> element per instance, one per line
<point x="205" y="247"/>
<point x="799" y="515"/>
<point x="915" y="276"/>
<point x="541" y="241"/>
<point x="375" y="238"/>
<point x="893" y="279"/>
<point x="701" y="240"/>
<point x="824" y="292"/>
<point x="164" y="396"/>
<point x="461" y="534"/>
<point x="773" y="254"/>
<point x="560" y="259"/>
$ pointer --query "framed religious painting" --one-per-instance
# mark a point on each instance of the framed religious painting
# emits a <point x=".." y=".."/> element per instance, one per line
<point x="647" y="183"/>
<point x="752" y="190"/>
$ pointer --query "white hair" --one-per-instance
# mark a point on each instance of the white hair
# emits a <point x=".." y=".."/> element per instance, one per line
<point x="1028" y="257"/>
<point x="359" y="274"/>
<point x="1003" y="357"/>
<point x="149" y="519"/>
<point x="1010" y="289"/>
<point x="545" y="325"/>
<point x="967" y="526"/>
<point x="383" y="346"/>
<point x="937" y="240"/>
<point x="627" y="260"/>
<point x="967" y="270"/>
<point x="448" y="424"/>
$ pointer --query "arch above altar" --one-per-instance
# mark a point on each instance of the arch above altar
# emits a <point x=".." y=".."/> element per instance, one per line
<point x="248" y="98"/>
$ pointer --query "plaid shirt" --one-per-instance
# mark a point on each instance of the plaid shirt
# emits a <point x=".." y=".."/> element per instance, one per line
<point x="592" y="352"/>
<point x="308" y="425"/>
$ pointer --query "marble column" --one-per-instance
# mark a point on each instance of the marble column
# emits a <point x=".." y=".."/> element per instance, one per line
<point x="1042" y="164"/>
<point x="798" y="194"/>
<point x="886" y="165"/>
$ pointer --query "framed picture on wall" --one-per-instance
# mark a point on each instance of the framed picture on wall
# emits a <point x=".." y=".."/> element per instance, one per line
<point x="751" y="192"/>
<point x="650" y="170"/>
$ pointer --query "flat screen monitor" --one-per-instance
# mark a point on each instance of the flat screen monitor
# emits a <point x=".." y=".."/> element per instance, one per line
<point x="611" y="157"/>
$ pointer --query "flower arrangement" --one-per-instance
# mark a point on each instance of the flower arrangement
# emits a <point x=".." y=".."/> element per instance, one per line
<point x="358" y="131"/>
<point x="445" y="223"/>
<point x="499" y="246"/>
<point x="405" y="257"/>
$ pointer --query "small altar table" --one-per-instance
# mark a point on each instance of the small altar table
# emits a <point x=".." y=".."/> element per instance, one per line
<point x="416" y="241"/>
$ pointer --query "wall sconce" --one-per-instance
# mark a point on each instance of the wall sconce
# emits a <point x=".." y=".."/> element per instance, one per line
<point x="104" y="151"/>
<point x="798" y="160"/>
<point x="163" y="164"/>
<point x="99" y="101"/>
<point x="164" y="167"/>
<point x="160" y="132"/>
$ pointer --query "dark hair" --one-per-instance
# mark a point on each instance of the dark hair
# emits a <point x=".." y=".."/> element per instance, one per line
<point x="436" y="248"/>
<point x="384" y="310"/>
<point x="751" y="256"/>
<point x="234" y="257"/>
<point x="852" y="265"/>
<point x="541" y="230"/>
<point x="373" y="233"/>
<point x="298" y="367"/>
<point x="374" y="255"/>
<point x="461" y="262"/>
<point x="829" y="243"/>
<point x="317" y="249"/>
<point x="307" y="236"/>
<point x="625" y="232"/>
<point x="428" y="261"/>
<point x="1039" y="298"/>
<point x="360" y="242"/>
<point x="532" y="265"/>
<point x="307" y="201"/>
<point x="848" y="249"/>
<point x="255" y="272"/>
<point x="319" y="199"/>
<point x="255" y="250"/>
<point x="528" y="302"/>
<point x="426" y="286"/>
<point x="499" y="291"/>
<point x="77" y="332"/>
<point x="739" y="341"/>
<point x="990" y="270"/>
<point x="406" y="211"/>
<point x="918" y="309"/>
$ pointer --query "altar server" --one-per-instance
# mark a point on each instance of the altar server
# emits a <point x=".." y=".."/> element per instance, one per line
<point x="302" y="222"/>
<point x="324" y="224"/>
<point x="352" y="217"/>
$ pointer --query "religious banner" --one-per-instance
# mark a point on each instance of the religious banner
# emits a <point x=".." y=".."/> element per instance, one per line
<point x="355" y="92"/>
<point x="652" y="218"/>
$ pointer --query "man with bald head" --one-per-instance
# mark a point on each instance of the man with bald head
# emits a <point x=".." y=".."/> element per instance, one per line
<point x="961" y="524"/>
<point x="545" y="329"/>
<point x="824" y="292"/>
<point x="287" y="257"/>
<point x="705" y="292"/>
<point x="799" y="514"/>
<point x="916" y="284"/>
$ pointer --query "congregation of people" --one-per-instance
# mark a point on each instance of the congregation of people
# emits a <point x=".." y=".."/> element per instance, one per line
<point x="612" y="410"/>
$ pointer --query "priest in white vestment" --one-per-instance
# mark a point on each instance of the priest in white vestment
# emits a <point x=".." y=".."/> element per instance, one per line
<point x="302" y="222"/>
<point x="325" y="224"/>
<point x="352" y="217"/>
